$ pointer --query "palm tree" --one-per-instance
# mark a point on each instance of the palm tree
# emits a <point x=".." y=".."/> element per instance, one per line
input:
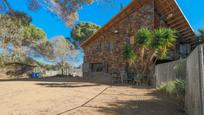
<point x="129" y="55"/>
<point x="152" y="45"/>
<point x="163" y="39"/>
<point x="200" y="38"/>
<point x="202" y="32"/>
<point x="144" y="38"/>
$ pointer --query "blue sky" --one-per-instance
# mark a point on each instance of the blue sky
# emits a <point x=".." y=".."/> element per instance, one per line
<point x="101" y="14"/>
<point x="53" y="26"/>
<point x="193" y="10"/>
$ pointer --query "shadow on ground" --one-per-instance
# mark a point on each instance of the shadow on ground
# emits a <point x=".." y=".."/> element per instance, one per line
<point x="128" y="100"/>
<point x="159" y="105"/>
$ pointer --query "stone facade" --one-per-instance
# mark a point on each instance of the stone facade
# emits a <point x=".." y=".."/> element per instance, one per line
<point x="106" y="49"/>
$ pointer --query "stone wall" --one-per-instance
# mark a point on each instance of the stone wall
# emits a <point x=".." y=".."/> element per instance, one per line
<point x="107" y="48"/>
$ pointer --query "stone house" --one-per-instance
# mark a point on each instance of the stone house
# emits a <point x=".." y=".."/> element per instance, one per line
<point x="103" y="50"/>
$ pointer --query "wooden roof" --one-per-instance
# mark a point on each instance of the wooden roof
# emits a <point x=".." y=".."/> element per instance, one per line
<point x="167" y="9"/>
<point x="174" y="17"/>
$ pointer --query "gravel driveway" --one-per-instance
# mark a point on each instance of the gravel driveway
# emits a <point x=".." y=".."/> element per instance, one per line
<point x="81" y="98"/>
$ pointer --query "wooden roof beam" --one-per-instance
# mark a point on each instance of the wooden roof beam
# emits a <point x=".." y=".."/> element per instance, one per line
<point x="181" y="28"/>
<point x="163" y="3"/>
<point x="176" y="22"/>
<point x="189" y="35"/>
<point x="185" y="32"/>
<point x="167" y="9"/>
<point x="190" y="38"/>
<point x="191" y="41"/>
<point x="174" y="19"/>
<point x="174" y="15"/>
<point x="178" y="25"/>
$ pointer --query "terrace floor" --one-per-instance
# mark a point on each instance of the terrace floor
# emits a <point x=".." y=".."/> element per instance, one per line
<point x="53" y="97"/>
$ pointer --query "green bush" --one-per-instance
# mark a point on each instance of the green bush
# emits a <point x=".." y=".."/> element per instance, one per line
<point x="174" y="88"/>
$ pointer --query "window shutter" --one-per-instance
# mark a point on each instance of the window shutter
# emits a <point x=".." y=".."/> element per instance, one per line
<point x="132" y="40"/>
<point x="85" y="67"/>
<point x="105" y="66"/>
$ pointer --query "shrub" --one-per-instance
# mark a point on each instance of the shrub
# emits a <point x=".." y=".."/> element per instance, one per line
<point x="180" y="87"/>
<point x="174" y="88"/>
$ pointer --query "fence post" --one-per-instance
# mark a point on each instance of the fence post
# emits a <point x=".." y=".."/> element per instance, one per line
<point x="201" y="76"/>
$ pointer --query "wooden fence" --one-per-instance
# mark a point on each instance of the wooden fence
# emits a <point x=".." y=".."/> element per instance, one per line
<point x="191" y="70"/>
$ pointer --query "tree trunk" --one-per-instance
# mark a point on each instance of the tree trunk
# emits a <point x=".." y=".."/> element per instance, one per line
<point x="126" y="67"/>
<point x="142" y="55"/>
<point x="151" y="72"/>
<point x="149" y="61"/>
<point x="62" y="71"/>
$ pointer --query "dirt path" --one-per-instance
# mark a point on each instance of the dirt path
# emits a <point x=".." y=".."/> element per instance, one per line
<point x="78" y="98"/>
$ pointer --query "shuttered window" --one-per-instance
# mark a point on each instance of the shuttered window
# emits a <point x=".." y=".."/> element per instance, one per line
<point x="132" y="40"/>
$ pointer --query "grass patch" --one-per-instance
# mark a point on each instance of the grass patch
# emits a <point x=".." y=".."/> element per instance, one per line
<point x="174" y="88"/>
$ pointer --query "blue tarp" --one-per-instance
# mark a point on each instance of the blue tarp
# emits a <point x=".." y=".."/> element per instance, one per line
<point x="35" y="75"/>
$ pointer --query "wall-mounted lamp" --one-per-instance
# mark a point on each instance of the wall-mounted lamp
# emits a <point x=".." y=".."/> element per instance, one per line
<point x="169" y="16"/>
<point x="116" y="31"/>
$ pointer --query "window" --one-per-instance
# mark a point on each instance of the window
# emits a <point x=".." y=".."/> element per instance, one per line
<point x="98" y="46"/>
<point x="86" y="67"/>
<point x="127" y="40"/>
<point x="88" y="50"/>
<point x="97" y="67"/>
<point x="184" y="50"/>
<point x="109" y="46"/>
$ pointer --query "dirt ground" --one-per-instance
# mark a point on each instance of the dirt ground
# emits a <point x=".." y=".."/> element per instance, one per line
<point x="81" y="98"/>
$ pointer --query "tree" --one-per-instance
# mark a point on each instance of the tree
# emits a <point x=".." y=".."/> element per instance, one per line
<point x="45" y="48"/>
<point x="20" y="15"/>
<point x="62" y="50"/>
<point x="64" y="9"/>
<point x="15" y="34"/>
<point x="67" y="10"/>
<point x="32" y="35"/>
<point x="150" y="46"/>
<point x="129" y="55"/>
<point x="83" y="30"/>
<point x="144" y="38"/>
<point x="11" y="29"/>
<point x="200" y="38"/>
<point x="164" y="38"/>
<point x="11" y="32"/>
